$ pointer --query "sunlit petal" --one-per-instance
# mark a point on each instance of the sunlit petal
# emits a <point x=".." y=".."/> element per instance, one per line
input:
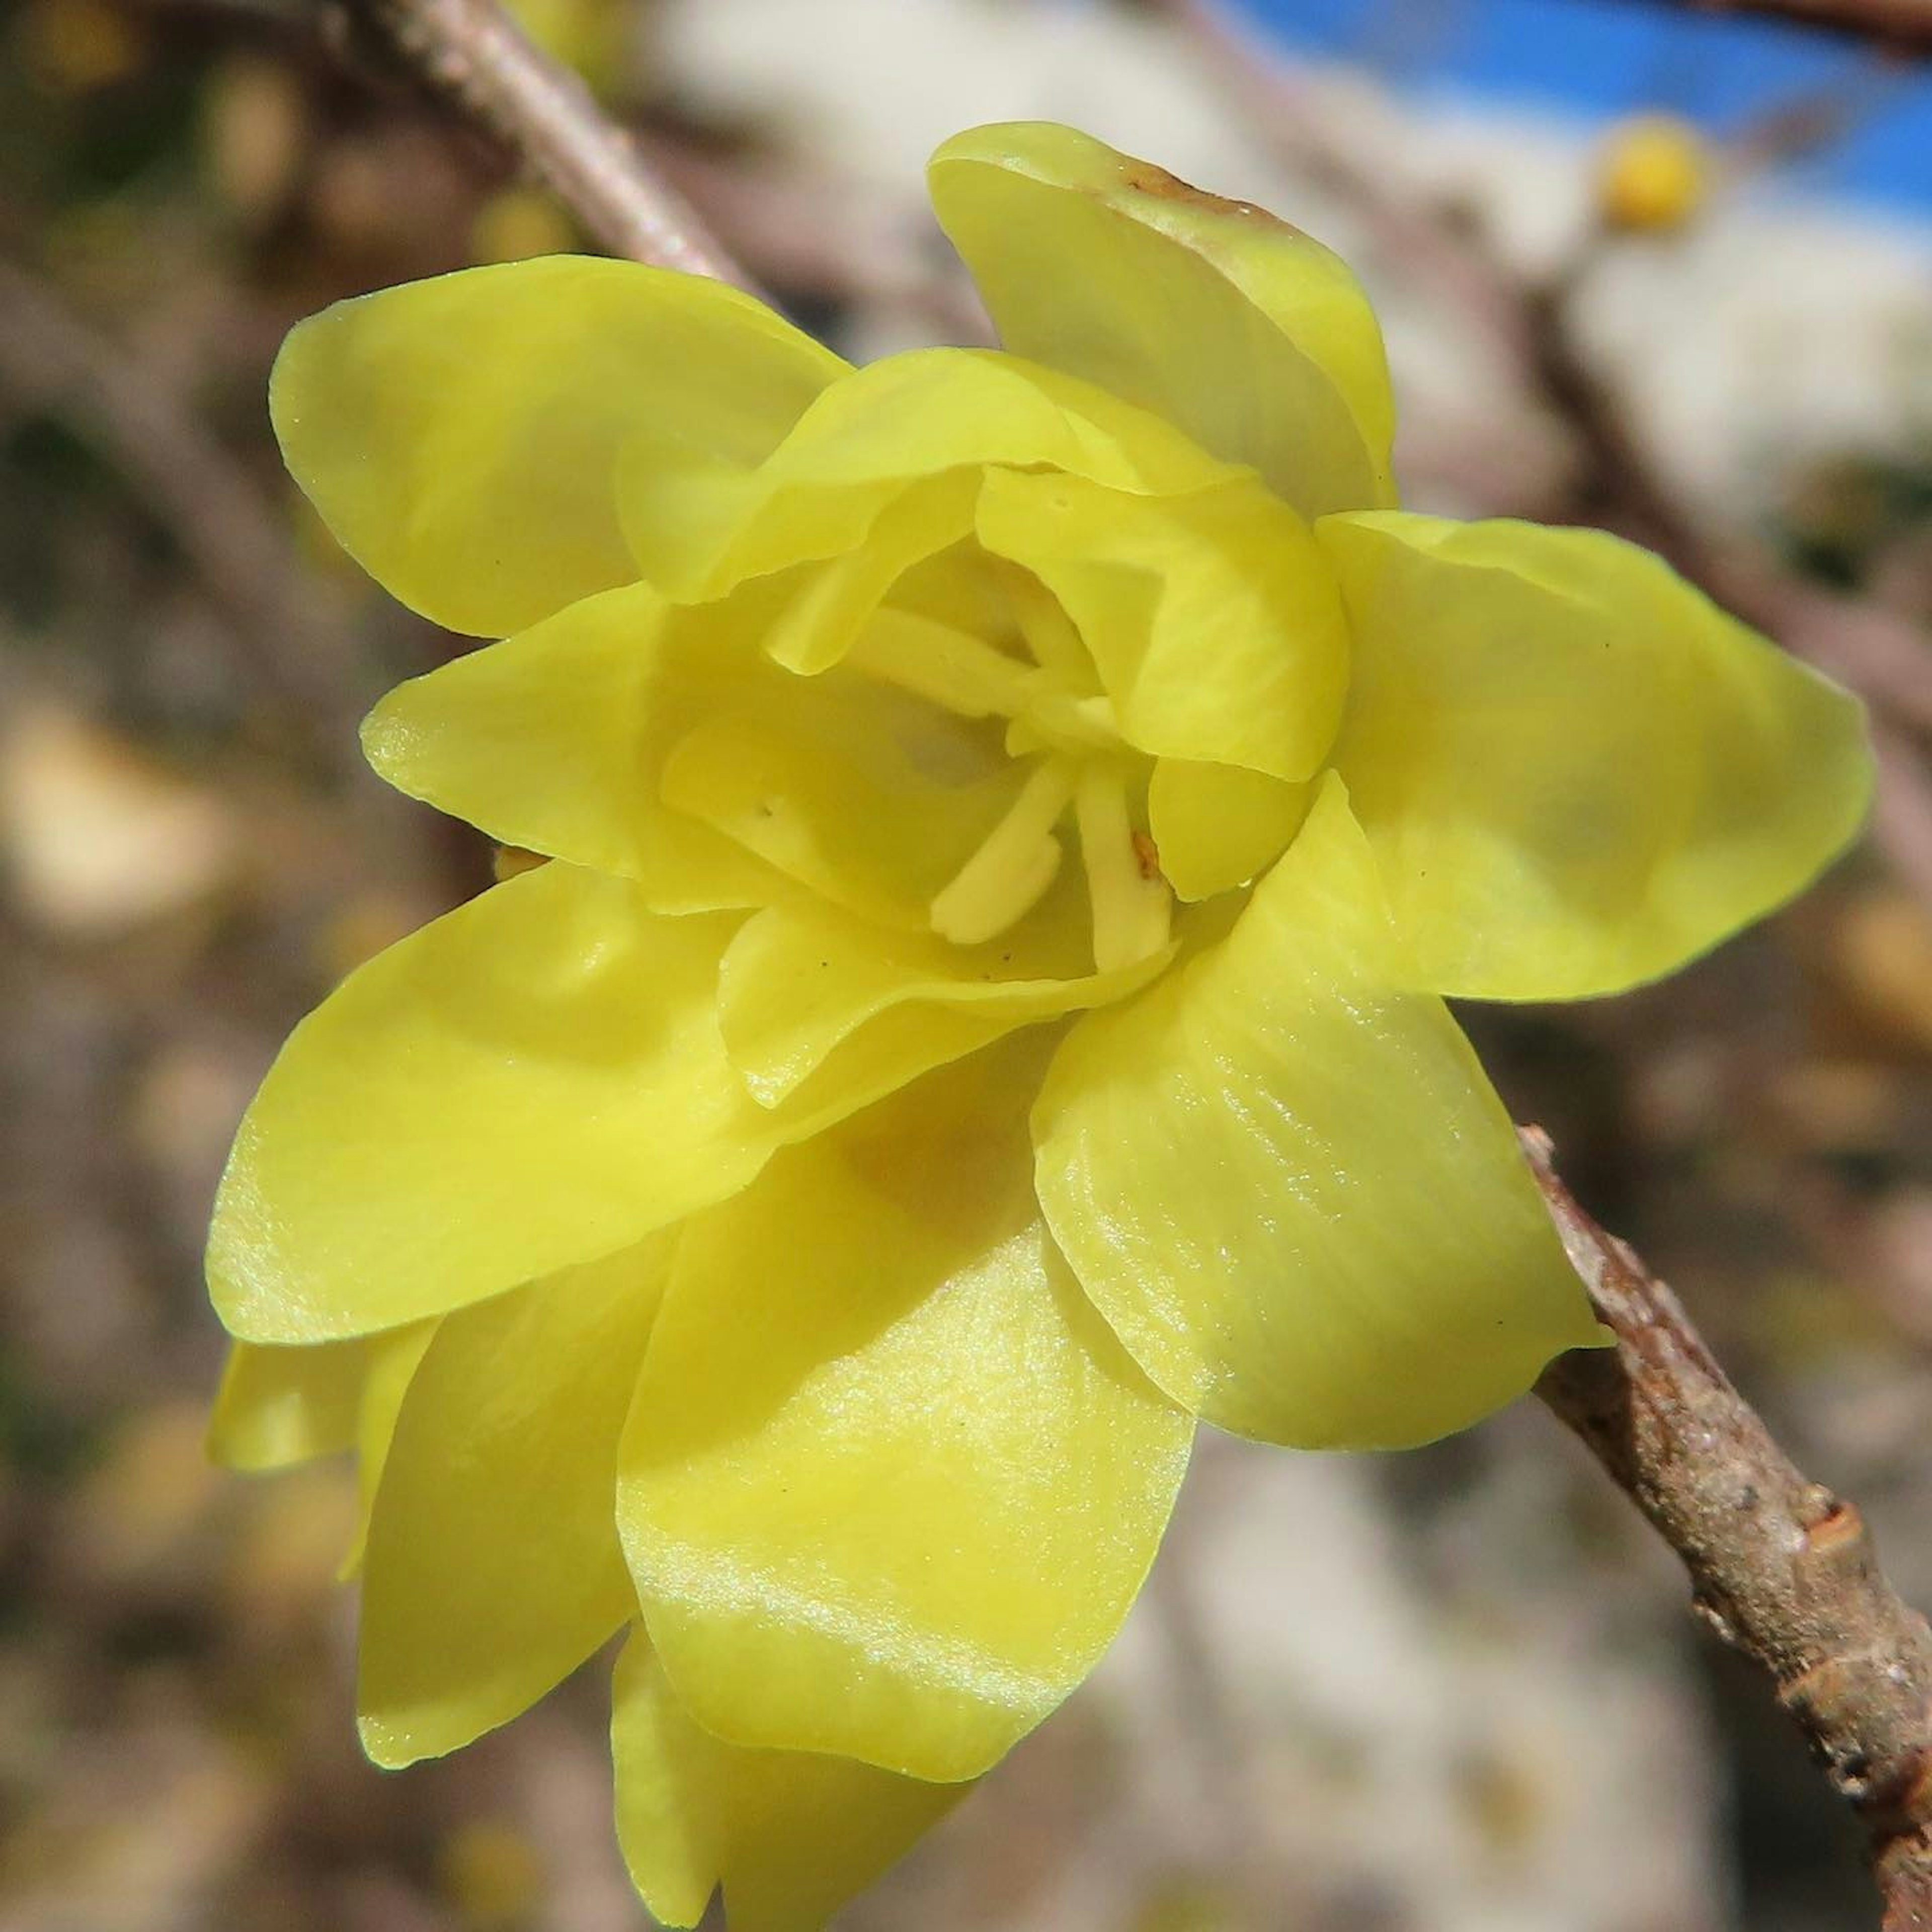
<point x="1285" y="1182"/>
<point x="533" y="1080"/>
<point x="461" y="435"/>
<point x="1576" y="772"/>
<point x="878" y="1339"/>
<point x="1246" y="332"/>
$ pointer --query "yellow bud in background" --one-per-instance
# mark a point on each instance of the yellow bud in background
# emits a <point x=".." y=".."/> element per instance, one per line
<point x="1654" y="175"/>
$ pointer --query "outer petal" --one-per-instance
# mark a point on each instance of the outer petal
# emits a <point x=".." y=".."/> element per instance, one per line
<point x="869" y="437"/>
<point x="1249" y="335"/>
<point x="889" y="1486"/>
<point x="1288" y="1187"/>
<point x="461" y="435"/>
<point x="534" y="1079"/>
<point x="789" y="1835"/>
<point x="493" y="1568"/>
<point x="1161" y="587"/>
<point x="279" y="1406"/>
<point x="1576" y="772"/>
<point x="556" y="740"/>
<point x="393" y="1359"/>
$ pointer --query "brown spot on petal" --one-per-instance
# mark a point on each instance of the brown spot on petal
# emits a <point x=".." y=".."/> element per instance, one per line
<point x="1146" y="178"/>
<point x="1147" y="853"/>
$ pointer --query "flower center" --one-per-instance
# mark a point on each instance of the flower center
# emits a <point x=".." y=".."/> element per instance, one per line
<point x="1057" y="718"/>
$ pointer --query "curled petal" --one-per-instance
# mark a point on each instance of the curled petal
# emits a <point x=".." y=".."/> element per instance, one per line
<point x="461" y="435"/>
<point x="1576" y="772"/>
<point x="1211" y="617"/>
<point x="866" y="441"/>
<point x="1244" y="332"/>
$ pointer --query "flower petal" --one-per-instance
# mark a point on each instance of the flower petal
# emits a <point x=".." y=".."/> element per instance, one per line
<point x="1217" y="827"/>
<point x="1248" y="334"/>
<point x="461" y="435"/>
<point x="276" y="1407"/>
<point x="789" y="1835"/>
<point x="1160" y="587"/>
<point x="534" y="1080"/>
<point x="803" y="984"/>
<point x="493" y="1568"/>
<point x="889" y="1485"/>
<point x="1576" y="772"/>
<point x="393" y="1359"/>
<point x="556" y="740"/>
<point x="1287" y="1185"/>
<point x="855" y="790"/>
<point x="869" y="437"/>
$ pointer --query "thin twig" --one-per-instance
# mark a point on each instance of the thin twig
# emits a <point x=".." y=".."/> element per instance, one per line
<point x="471" y="53"/>
<point x="1906" y="25"/>
<point x="1781" y="1569"/>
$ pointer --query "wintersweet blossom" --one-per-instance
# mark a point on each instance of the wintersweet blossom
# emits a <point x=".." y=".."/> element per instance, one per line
<point x="1012" y="818"/>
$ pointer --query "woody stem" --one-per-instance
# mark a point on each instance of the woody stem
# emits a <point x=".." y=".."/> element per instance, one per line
<point x="473" y="56"/>
<point x="1781" y="1569"/>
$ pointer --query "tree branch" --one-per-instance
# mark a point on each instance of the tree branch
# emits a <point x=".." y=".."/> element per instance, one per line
<point x="1782" y="1569"/>
<point x="470" y="53"/>
<point x="1906" y="25"/>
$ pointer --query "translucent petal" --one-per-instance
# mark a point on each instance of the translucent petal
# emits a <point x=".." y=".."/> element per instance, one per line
<point x="1286" y="1183"/>
<point x="534" y="1080"/>
<point x="868" y="437"/>
<point x="1576" y="772"/>
<point x="1217" y="827"/>
<point x="461" y="435"/>
<point x="555" y="740"/>
<point x="800" y="981"/>
<point x="279" y="1406"/>
<point x="1246" y="333"/>
<point x="789" y="1835"/>
<point x="493" y="1568"/>
<point x="890" y="1485"/>
<point x="393" y="1359"/>
<point x="1212" y="618"/>
<point x="855" y="789"/>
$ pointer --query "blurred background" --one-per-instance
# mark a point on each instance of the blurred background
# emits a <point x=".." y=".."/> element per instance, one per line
<point x="1662" y="271"/>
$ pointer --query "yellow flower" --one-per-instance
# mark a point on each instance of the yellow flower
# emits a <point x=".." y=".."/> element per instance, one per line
<point x="1013" y="819"/>
<point x="1654" y="173"/>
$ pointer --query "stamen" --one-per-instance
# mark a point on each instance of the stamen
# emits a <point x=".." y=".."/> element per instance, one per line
<point x="1054" y="722"/>
<point x="1131" y="911"/>
<point x="1010" y="874"/>
<point x="959" y="673"/>
<point x="1049" y="632"/>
